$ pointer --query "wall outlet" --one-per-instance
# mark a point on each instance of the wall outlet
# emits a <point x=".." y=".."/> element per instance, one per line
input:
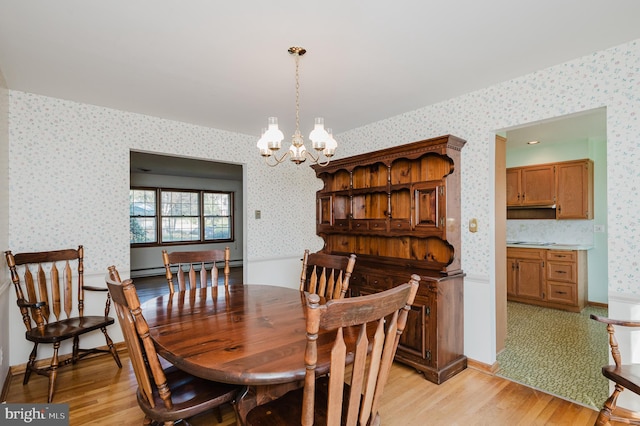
<point x="598" y="228"/>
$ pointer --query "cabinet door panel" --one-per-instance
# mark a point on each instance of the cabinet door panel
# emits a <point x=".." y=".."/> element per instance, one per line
<point x="562" y="271"/>
<point x="429" y="207"/>
<point x="538" y="185"/>
<point x="574" y="191"/>
<point x="530" y="279"/>
<point x="512" y="265"/>
<point x="513" y="187"/>
<point x="412" y="339"/>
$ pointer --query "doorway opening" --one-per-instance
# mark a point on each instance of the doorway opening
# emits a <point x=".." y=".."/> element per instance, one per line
<point x="565" y="138"/>
<point x="153" y="170"/>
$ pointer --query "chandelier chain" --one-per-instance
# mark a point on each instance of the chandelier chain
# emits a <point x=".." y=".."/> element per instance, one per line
<point x="297" y="93"/>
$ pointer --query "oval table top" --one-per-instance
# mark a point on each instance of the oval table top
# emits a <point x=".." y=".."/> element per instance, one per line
<point x="252" y="334"/>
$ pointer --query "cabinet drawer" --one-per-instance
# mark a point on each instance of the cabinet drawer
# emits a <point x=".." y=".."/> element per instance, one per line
<point x="378" y="225"/>
<point x="562" y="292"/>
<point x="561" y="271"/>
<point x="562" y="255"/>
<point x="360" y="225"/>
<point x="400" y="225"/>
<point x="526" y="253"/>
<point x="357" y="280"/>
<point x="341" y="224"/>
<point x="380" y="282"/>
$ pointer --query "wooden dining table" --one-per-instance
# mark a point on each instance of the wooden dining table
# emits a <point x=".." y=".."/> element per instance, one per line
<point x="253" y="335"/>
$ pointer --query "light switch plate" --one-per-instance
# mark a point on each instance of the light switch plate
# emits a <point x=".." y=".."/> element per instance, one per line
<point x="258" y="214"/>
<point x="473" y="225"/>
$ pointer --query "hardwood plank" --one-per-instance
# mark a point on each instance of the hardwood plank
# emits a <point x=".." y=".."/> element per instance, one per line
<point x="99" y="394"/>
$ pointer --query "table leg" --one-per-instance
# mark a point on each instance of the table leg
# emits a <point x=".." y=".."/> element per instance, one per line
<point x="258" y="395"/>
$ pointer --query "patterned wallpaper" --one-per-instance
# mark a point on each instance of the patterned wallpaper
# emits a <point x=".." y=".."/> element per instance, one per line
<point x="69" y="164"/>
<point x="69" y="169"/>
<point x="609" y="78"/>
<point x="4" y="169"/>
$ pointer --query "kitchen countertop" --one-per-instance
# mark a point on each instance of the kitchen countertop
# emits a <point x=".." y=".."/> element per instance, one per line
<point x="548" y="246"/>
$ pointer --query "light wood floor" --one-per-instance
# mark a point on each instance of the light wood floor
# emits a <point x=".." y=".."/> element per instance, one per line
<point x="100" y="394"/>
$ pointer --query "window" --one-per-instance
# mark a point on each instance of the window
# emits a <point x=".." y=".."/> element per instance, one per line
<point x="142" y="212"/>
<point x="181" y="216"/>
<point x="217" y="216"/>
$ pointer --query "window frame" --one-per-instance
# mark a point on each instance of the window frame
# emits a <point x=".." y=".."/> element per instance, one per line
<point x="201" y="216"/>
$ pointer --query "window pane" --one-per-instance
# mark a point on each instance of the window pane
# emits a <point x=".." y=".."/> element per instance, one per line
<point x="217" y="216"/>
<point x="180" y="229"/>
<point x="217" y="228"/>
<point x="142" y="212"/>
<point x="142" y="230"/>
<point x="142" y="202"/>
<point x="180" y="203"/>
<point x="216" y="204"/>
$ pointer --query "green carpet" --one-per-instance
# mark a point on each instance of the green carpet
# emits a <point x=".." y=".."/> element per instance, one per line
<point x="558" y="352"/>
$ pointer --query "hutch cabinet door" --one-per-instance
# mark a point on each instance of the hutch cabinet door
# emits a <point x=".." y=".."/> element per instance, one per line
<point x="429" y="207"/>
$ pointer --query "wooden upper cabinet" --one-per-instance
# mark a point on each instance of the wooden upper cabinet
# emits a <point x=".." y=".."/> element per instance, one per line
<point x="513" y="187"/>
<point x="561" y="190"/>
<point x="531" y="185"/>
<point x="538" y="185"/>
<point x="575" y="190"/>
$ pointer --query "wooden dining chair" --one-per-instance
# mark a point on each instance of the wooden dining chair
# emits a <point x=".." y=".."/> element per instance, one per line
<point x="165" y="393"/>
<point x="46" y="284"/>
<point x="195" y="269"/>
<point x="624" y="376"/>
<point x="342" y="398"/>
<point x="326" y="274"/>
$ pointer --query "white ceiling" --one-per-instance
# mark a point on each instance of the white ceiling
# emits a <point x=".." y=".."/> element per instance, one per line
<point x="225" y="64"/>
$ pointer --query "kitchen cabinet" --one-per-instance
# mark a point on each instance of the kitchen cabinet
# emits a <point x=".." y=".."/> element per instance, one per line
<point x="575" y="190"/>
<point x="531" y="185"/>
<point x="566" y="276"/>
<point x="525" y="274"/>
<point x="398" y="210"/>
<point x="562" y="190"/>
<point x="547" y="277"/>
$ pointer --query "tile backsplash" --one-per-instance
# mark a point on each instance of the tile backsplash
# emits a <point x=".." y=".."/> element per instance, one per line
<point x="552" y="231"/>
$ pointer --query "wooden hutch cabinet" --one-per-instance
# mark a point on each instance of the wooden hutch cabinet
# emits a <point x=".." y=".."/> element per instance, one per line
<point x="398" y="209"/>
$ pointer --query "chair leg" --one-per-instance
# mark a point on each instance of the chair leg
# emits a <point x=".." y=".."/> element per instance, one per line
<point x="218" y="412"/>
<point x="53" y="371"/>
<point x="112" y="348"/>
<point x="31" y="364"/>
<point x="76" y="350"/>
<point x="609" y="406"/>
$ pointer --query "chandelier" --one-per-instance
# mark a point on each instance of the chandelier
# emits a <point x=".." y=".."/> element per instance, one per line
<point x="321" y="140"/>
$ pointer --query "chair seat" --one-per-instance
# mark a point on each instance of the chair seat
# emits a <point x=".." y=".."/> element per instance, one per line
<point x="67" y="328"/>
<point x="627" y="375"/>
<point x="190" y="396"/>
<point x="287" y="410"/>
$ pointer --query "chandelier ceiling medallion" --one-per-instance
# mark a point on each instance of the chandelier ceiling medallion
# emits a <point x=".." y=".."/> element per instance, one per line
<point x="322" y="140"/>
